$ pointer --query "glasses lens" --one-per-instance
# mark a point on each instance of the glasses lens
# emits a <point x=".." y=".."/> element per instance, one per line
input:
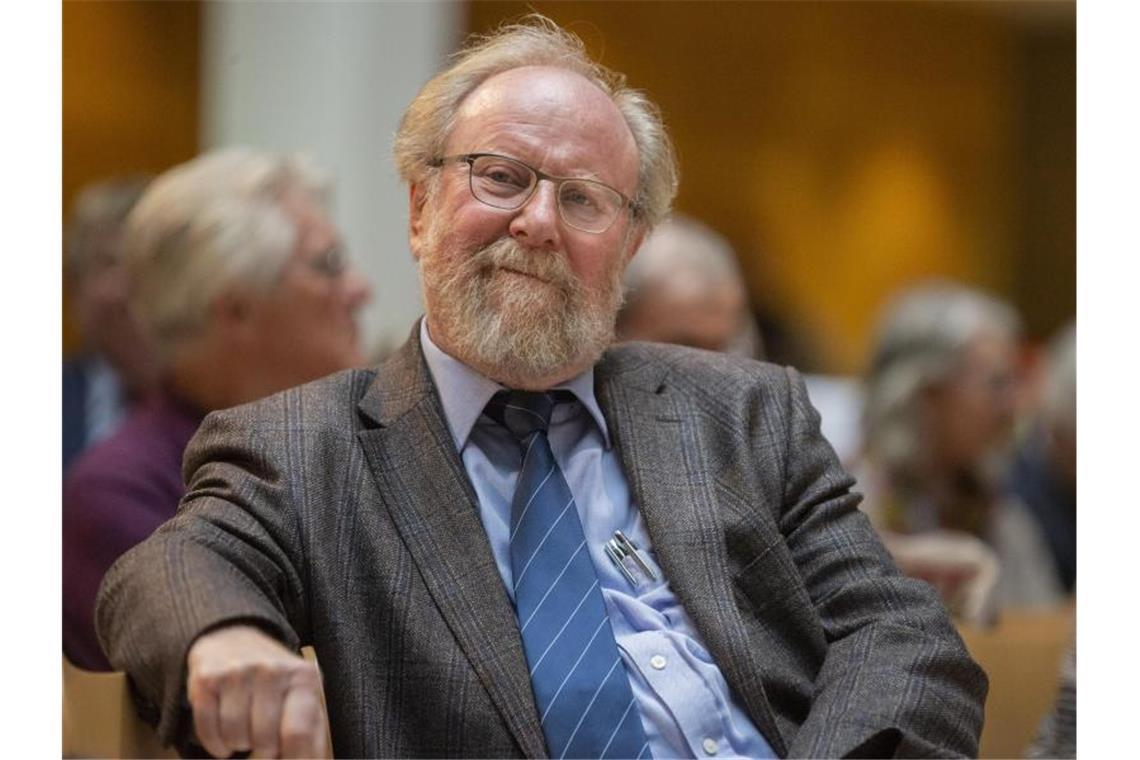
<point x="501" y="182"/>
<point x="329" y="262"/>
<point x="588" y="206"/>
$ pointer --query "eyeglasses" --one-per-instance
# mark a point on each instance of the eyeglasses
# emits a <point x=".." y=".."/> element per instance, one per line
<point x="506" y="183"/>
<point x="330" y="262"/>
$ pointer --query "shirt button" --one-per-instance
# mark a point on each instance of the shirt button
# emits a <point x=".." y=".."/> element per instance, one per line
<point x="657" y="661"/>
<point x="709" y="745"/>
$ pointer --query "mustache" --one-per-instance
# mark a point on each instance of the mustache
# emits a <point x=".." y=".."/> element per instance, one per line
<point x="505" y="253"/>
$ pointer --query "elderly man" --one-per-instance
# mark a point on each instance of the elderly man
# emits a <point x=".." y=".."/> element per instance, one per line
<point x="685" y="287"/>
<point x="510" y="541"/>
<point x="238" y="274"/>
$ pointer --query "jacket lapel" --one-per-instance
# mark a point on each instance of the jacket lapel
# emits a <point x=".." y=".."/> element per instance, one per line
<point x="655" y="435"/>
<point x="424" y="486"/>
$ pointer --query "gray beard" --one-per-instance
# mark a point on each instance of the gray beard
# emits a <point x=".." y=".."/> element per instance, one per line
<point x="516" y="329"/>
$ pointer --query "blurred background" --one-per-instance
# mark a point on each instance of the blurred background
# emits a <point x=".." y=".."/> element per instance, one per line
<point x="844" y="149"/>
<point x="839" y="153"/>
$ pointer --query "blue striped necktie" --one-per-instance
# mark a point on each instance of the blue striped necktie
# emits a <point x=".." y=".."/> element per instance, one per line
<point x="580" y="683"/>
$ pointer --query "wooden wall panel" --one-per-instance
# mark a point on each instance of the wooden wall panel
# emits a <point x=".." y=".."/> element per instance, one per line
<point x="848" y="149"/>
<point x="130" y="92"/>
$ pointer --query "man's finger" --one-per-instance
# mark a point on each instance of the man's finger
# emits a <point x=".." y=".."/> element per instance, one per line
<point x="302" y="720"/>
<point x="269" y="687"/>
<point x="233" y="712"/>
<point x="204" y="703"/>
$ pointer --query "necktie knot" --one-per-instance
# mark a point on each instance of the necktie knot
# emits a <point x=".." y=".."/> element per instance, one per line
<point x="525" y="412"/>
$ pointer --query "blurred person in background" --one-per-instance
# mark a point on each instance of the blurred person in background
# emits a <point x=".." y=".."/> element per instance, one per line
<point x="938" y="421"/>
<point x="239" y="275"/>
<point x="685" y="286"/>
<point x="115" y="366"/>
<point x="1044" y="472"/>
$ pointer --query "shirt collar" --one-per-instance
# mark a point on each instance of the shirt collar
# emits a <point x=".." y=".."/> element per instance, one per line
<point x="464" y="392"/>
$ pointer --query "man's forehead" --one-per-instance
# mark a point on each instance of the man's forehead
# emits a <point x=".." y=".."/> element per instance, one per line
<point x="546" y="96"/>
<point x="552" y="82"/>
<point x="554" y="90"/>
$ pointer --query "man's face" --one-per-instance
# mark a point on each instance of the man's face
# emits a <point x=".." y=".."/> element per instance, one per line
<point x="306" y="326"/>
<point x="974" y="409"/>
<point x="518" y="294"/>
<point x="689" y="312"/>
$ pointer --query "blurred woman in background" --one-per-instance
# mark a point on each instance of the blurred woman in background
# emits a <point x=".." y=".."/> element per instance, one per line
<point x="938" y="423"/>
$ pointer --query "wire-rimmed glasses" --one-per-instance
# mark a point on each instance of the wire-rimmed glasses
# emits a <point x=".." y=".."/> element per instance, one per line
<point x="507" y="183"/>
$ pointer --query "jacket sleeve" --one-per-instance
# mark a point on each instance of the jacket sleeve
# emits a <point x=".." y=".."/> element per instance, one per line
<point x="896" y="680"/>
<point x="231" y="554"/>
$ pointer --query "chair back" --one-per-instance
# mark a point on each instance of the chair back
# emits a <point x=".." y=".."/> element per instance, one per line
<point x="99" y="718"/>
<point x="1022" y="656"/>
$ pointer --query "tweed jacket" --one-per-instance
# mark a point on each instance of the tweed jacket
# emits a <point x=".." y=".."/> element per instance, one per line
<point x="339" y="514"/>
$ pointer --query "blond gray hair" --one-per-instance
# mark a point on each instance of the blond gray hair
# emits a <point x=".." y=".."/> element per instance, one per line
<point x="921" y="337"/>
<point x="536" y="41"/>
<point x="208" y="224"/>
<point x="684" y="250"/>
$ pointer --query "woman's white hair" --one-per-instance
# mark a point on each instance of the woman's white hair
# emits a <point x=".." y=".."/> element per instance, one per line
<point x="536" y="41"/>
<point x="919" y="343"/>
<point x="682" y="248"/>
<point x="207" y="224"/>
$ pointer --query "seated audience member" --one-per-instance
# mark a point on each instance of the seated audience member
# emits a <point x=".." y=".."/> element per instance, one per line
<point x="684" y="286"/>
<point x="1044" y="472"/>
<point x="938" y="421"/>
<point x="514" y="539"/>
<point x="114" y="366"/>
<point x="238" y="274"/>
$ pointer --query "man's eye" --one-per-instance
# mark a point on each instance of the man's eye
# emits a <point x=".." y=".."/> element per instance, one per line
<point x="578" y="198"/>
<point x="504" y="176"/>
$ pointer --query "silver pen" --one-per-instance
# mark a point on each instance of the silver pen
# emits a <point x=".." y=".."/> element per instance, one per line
<point x="618" y="549"/>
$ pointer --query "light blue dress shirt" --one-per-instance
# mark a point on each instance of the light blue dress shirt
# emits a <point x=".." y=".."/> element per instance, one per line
<point x="686" y="706"/>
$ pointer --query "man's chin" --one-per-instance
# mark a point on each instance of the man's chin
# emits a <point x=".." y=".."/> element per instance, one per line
<point x="514" y="297"/>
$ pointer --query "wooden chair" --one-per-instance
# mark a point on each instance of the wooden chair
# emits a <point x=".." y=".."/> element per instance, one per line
<point x="1022" y="656"/>
<point x="99" y="718"/>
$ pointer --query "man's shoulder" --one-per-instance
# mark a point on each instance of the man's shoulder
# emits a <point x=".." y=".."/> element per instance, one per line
<point x="320" y="415"/>
<point x="329" y="401"/>
<point x="695" y="368"/>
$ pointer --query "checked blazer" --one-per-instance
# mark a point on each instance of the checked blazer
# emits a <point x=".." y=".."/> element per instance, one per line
<point x="339" y="514"/>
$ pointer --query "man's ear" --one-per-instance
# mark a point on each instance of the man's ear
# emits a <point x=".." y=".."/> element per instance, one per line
<point x="417" y="197"/>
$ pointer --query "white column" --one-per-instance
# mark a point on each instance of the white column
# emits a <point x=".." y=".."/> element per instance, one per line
<point x="332" y="79"/>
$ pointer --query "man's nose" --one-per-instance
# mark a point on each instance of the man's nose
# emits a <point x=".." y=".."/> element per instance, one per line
<point x="536" y="224"/>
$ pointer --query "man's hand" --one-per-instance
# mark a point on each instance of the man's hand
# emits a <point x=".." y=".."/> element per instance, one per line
<point x="249" y="692"/>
